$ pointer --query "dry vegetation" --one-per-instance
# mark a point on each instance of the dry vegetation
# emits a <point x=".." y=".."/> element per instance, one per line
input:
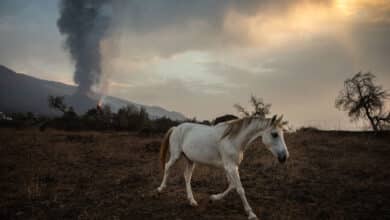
<point x="92" y="175"/>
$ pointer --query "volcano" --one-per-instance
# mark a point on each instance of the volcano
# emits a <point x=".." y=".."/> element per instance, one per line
<point x="23" y="93"/>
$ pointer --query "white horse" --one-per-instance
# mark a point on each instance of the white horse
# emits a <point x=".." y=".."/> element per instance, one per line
<point x="220" y="146"/>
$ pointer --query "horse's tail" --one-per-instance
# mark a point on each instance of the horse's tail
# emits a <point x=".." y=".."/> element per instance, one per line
<point x="164" y="148"/>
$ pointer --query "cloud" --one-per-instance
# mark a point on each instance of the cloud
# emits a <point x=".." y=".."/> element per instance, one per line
<point x="303" y="70"/>
<point x="164" y="28"/>
<point x="200" y="57"/>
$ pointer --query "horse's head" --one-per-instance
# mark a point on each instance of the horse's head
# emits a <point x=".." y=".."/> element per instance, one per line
<point x="273" y="139"/>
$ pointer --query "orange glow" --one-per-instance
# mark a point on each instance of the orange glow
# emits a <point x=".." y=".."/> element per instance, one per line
<point x="374" y="10"/>
<point x="304" y="20"/>
<point x="273" y="29"/>
<point x="100" y="103"/>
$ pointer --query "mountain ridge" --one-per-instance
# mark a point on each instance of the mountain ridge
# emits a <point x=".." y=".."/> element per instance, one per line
<point x="20" y="92"/>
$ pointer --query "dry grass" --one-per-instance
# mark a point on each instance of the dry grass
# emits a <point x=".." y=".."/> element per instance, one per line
<point x="91" y="175"/>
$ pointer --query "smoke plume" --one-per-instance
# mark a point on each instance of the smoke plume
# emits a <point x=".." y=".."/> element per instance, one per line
<point x="85" y="24"/>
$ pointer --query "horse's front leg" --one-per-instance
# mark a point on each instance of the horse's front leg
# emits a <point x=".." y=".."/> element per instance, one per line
<point x="221" y="195"/>
<point x="232" y="171"/>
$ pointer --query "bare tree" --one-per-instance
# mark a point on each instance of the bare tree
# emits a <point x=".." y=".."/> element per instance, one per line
<point x="362" y="99"/>
<point x="259" y="107"/>
<point x="241" y="110"/>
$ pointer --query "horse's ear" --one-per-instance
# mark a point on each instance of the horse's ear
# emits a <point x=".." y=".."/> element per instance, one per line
<point x="273" y="119"/>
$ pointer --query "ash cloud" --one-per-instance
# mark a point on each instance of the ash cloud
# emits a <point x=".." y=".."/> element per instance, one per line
<point x="85" y="24"/>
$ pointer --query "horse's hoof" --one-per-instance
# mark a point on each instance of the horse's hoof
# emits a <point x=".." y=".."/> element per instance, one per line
<point x="214" y="197"/>
<point x="252" y="216"/>
<point x="193" y="203"/>
<point x="160" y="189"/>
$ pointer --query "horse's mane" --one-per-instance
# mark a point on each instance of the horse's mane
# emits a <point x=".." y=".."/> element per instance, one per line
<point x="233" y="127"/>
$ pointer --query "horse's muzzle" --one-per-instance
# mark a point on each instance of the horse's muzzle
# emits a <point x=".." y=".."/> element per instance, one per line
<point x="282" y="158"/>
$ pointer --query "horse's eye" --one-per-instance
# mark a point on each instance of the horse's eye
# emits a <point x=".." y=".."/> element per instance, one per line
<point x="274" y="135"/>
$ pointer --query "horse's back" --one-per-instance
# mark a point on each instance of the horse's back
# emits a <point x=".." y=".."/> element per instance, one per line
<point x="200" y="143"/>
<point x="187" y="126"/>
<point x="197" y="132"/>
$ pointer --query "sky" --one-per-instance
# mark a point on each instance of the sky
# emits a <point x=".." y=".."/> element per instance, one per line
<point x="202" y="57"/>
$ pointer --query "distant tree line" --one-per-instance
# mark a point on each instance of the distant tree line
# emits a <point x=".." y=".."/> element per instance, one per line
<point x="127" y="118"/>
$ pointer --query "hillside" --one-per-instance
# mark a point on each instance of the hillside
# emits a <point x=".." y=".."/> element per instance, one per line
<point x="114" y="175"/>
<point x="22" y="93"/>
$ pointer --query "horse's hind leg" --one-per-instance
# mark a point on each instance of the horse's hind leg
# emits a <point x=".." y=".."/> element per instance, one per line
<point x="189" y="168"/>
<point x="221" y="195"/>
<point x="174" y="156"/>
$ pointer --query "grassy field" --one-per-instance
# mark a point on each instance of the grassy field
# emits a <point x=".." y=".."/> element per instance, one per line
<point x="92" y="175"/>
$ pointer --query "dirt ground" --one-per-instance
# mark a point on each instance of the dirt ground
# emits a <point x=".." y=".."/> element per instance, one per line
<point x="113" y="175"/>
